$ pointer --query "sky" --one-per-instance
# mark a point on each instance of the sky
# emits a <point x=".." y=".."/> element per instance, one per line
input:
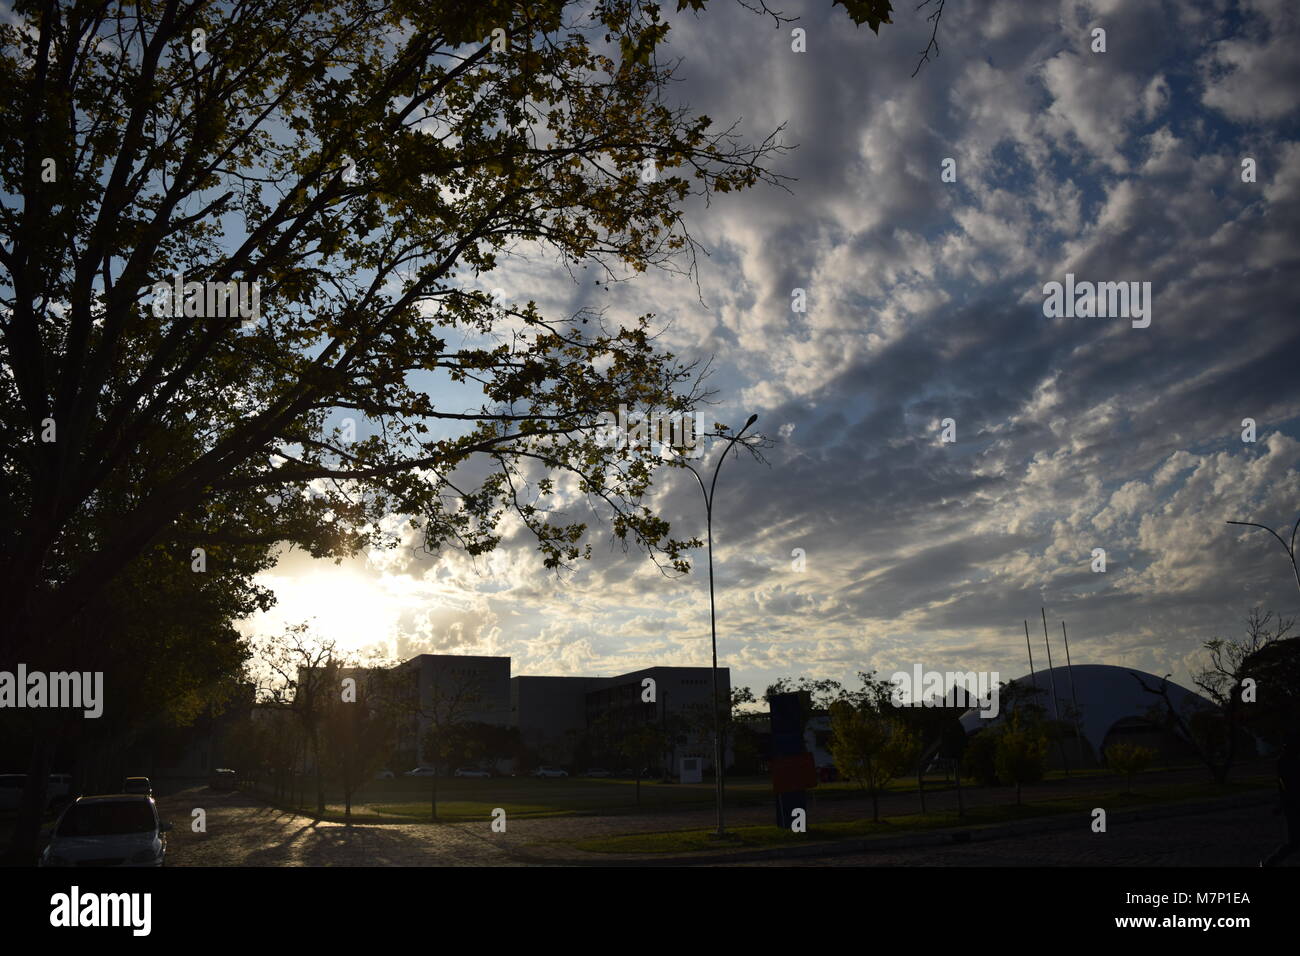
<point x="924" y="303"/>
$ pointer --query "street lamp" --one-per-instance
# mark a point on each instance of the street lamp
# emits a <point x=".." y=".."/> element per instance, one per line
<point x="713" y="617"/>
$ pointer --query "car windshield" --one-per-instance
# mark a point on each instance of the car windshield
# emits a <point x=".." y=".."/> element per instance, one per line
<point x="107" y="819"/>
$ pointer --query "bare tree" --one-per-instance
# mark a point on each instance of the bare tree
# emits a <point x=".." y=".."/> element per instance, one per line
<point x="303" y="675"/>
<point x="1214" y="732"/>
<point x="453" y="697"/>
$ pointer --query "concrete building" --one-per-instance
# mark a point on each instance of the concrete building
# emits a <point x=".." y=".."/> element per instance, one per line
<point x="553" y="712"/>
<point x="456" y="689"/>
<point x="549" y="712"/>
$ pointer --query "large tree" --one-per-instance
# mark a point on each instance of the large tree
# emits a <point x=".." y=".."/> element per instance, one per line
<point x="362" y="165"/>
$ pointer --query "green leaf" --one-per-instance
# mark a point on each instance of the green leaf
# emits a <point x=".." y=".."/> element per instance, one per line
<point x="871" y="12"/>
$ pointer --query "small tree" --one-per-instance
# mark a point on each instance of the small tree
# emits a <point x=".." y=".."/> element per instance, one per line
<point x="869" y="748"/>
<point x="452" y="697"/>
<point x="952" y="746"/>
<point x="1021" y="753"/>
<point x="356" y="737"/>
<point x="979" y="758"/>
<point x="1129" y="759"/>
<point x="643" y="744"/>
<point x="302" y="675"/>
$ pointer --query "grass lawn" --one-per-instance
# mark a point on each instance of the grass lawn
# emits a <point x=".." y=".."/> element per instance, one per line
<point x="687" y="841"/>
<point x="466" y="799"/>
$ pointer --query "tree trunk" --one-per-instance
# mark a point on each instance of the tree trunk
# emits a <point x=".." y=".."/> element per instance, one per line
<point x="320" y="780"/>
<point x="875" y="807"/>
<point x="956" y="774"/>
<point x="27" y="828"/>
<point x="433" y="798"/>
<point x="920" y="785"/>
<point x="1017" y="794"/>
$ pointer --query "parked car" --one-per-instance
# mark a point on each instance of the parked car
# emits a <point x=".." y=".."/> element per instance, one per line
<point x="60" y="788"/>
<point x="137" y="785"/>
<point x="383" y="775"/>
<point x="119" y="830"/>
<point x="421" y="772"/>
<point x="597" y="772"/>
<point x="470" y="772"/>
<point x="57" y="791"/>
<point x="223" y="778"/>
<point x="11" y="790"/>
<point x="550" y="772"/>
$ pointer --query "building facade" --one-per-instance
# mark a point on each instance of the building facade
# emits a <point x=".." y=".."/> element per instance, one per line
<point x="453" y="689"/>
<point x="557" y="718"/>
<point x="553" y="713"/>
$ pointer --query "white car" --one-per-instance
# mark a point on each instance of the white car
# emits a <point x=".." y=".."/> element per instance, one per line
<point x="550" y="772"/>
<point x="421" y="772"/>
<point x="121" y="830"/>
<point x="470" y="772"/>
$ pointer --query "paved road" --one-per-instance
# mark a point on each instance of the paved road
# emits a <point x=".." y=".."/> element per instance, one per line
<point x="241" y="831"/>
<point x="1237" y="837"/>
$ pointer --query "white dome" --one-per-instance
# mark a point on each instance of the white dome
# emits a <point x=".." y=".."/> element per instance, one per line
<point x="1106" y="695"/>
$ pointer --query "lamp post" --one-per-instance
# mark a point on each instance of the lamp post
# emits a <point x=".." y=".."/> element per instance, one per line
<point x="713" y="617"/>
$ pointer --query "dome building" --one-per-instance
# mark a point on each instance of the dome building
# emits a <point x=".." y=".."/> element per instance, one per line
<point x="1112" y="706"/>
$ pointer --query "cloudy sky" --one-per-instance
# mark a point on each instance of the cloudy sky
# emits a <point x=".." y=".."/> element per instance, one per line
<point x="925" y="302"/>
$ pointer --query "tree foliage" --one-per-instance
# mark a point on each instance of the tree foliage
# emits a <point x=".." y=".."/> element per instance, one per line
<point x="1129" y="759"/>
<point x="363" y="165"/>
<point x="1020" y="752"/>
<point x="870" y="748"/>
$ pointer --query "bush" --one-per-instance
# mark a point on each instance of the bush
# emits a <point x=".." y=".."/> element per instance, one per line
<point x="1129" y="759"/>
<point x="1021" y="753"/>
<point x="979" y="761"/>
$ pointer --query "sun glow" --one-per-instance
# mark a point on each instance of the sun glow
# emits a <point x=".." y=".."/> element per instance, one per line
<point x="354" y="610"/>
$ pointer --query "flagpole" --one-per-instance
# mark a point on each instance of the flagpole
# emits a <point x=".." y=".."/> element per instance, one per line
<point x="1078" y="736"/>
<point x="1056" y="709"/>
